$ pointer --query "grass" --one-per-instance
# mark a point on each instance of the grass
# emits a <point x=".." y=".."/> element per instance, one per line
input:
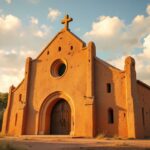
<point x="26" y="138"/>
<point x="116" y="137"/>
<point x="101" y="136"/>
<point x="2" y="135"/>
<point x="8" y="146"/>
<point x="124" y="144"/>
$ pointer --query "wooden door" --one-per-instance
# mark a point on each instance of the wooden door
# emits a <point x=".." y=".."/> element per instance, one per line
<point x="60" y="118"/>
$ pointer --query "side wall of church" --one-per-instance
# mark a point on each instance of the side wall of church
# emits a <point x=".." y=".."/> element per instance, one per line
<point x="14" y="121"/>
<point x="13" y="116"/>
<point x="115" y="100"/>
<point x="144" y="99"/>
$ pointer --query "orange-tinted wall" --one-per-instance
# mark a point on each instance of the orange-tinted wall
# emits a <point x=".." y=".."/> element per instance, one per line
<point x="84" y="87"/>
<point x="144" y="99"/>
<point x="73" y="84"/>
<point x="116" y="99"/>
<point x="14" y="112"/>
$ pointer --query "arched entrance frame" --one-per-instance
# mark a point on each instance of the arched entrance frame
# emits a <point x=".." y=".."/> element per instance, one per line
<point x="46" y="108"/>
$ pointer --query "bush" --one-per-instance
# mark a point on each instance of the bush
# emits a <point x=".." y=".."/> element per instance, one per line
<point x="3" y="100"/>
<point x="101" y="136"/>
<point x="3" y="104"/>
<point x="7" y="146"/>
<point x="1" y="120"/>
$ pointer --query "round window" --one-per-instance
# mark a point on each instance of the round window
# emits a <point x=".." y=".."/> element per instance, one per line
<point x="58" y="68"/>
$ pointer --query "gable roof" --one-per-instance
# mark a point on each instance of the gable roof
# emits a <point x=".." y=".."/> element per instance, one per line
<point x="69" y="33"/>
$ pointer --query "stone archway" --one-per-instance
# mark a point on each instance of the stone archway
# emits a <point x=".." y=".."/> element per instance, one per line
<point x="53" y="103"/>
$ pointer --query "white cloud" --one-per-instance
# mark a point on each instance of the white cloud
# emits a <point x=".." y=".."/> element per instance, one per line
<point x="106" y="26"/>
<point x="16" y="43"/>
<point x="13" y="34"/>
<point x="146" y="44"/>
<point x="112" y="34"/>
<point x="39" y="33"/>
<point x="8" y="1"/>
<point x="53" y="14"/>
<point x="12" y="66"/>
<point x="42" y="31"/>
<point x="10" y="77"/>
<point x="138" y="19"/>
<point x="34" y="20"/>
<point x="9" y="23"/>
<point x="148" y="9"/>
<point x="142" y="61"/>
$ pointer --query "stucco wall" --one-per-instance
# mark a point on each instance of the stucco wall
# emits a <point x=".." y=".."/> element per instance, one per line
<point x="73" y="83"/>
<point x="84" y="87"/>
<point x="15" y="114"/>
<point x="116" y="100"/>
<point x="144" y="99"/>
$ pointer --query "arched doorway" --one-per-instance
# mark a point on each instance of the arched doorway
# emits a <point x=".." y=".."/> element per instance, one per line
<point x="60" y="118"/>
<point x="47" y="109"/>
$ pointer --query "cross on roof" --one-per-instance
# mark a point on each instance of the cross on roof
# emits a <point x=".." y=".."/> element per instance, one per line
<point x="66" y="21"/>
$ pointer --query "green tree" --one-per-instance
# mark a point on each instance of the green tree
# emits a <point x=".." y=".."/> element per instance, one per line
<point x="3" y="100"/>
<point x="3" y="104"/>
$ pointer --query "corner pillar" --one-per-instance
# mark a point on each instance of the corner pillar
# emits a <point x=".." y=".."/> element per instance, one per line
<point x="134" y="122"/>
<point x="6" y="116"/>
<point x="89" y="98"/>
<point x="26" y="94"/>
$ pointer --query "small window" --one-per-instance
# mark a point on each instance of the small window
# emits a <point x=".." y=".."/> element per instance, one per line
<point x="20" y="97"/>
<point x="47" y="52"/>
<point x="61" y="69"/>
<point x="59" y="48"/>
<point x="110" y="116"/>
<point x="108" y="88"/>
<point x="16" y="118"/>
<point x="143" y="116"/>
<point x="71" y="47"/>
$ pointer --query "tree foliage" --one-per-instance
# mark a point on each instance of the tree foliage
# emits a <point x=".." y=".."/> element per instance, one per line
<point x="3" y="100"/>
<point x="3" y="103"/>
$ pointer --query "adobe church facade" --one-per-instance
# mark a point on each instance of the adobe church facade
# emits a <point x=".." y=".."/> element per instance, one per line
<point x="67" y="90"/>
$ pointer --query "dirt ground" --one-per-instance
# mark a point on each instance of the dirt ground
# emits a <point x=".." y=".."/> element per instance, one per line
<point x="66" y="143"/>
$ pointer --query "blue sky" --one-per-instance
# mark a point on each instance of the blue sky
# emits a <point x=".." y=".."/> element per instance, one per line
<point x="84" y="12"/>
<point x="118" y="27"/>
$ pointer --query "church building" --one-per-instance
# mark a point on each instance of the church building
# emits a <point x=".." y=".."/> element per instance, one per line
<point x="67" y="90"/>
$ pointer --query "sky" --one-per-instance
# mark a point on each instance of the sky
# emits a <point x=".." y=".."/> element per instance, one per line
<point x="118" y="28"/>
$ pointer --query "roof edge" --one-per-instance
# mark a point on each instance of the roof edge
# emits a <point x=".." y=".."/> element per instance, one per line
<point x="144" y="84"/>
<point x="104" y="62"/>
<point x="18" y="85"/>
<point x="43" y="50"/>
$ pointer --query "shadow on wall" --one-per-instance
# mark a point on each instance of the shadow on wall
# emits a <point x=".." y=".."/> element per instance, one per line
<point x="110" y="100"/>
<point x="30" y="106"/>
